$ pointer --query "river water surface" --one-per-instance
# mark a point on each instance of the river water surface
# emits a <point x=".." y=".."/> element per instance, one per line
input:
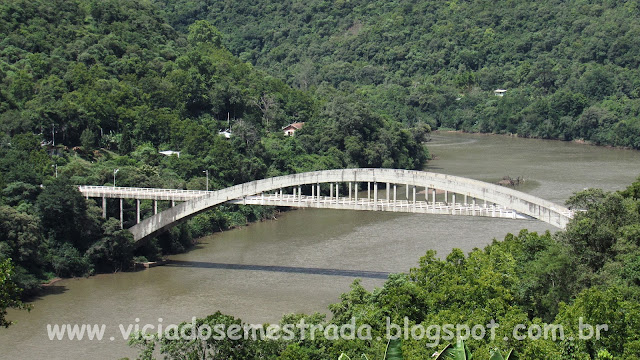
<point x="303" y="261"/>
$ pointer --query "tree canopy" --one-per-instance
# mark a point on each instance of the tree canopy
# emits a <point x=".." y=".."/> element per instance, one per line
<point x="570" y="68"/>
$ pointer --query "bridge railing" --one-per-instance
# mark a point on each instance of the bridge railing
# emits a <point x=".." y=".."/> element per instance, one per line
<point x="140" y="193"/>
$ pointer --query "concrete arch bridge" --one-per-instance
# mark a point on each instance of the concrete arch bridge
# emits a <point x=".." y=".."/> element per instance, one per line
<point x="420" y="192"/>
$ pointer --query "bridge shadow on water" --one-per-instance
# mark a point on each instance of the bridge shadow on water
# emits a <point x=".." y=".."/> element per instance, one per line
<point x="283" y="269"/>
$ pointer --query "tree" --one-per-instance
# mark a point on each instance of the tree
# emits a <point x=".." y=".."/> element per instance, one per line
<point x="19" y="192"/>
<point x="9" y="292"/>
<point x="64" y="216"/>
<point x="616" y="316"/>
<point x="88" y="139"/>
<point x="114" y="252"/>
<point x="586" y="199"/>
<point x="203" y="32"/>
<point x="268" y="106"/>
<point x="594" y="233"/>
<point x="174" y="346"/>
<point x="21" y="241"/>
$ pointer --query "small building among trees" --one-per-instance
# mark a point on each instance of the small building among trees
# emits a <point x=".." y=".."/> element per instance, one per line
<point x="291" y="129"/>
<point x="499" y="92"/>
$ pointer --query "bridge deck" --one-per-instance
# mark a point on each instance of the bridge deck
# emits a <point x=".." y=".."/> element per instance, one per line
<point x="304" y="201"/>
<point x="423" y="207"/>
<point x="141" y="193"/>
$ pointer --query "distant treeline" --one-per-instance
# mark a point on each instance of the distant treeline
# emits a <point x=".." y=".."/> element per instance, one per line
<point x="570" y="68"/>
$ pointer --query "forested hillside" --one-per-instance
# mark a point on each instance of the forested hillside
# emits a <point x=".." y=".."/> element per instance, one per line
<point x="94" y="88"/>
<point x="570" y="68"/>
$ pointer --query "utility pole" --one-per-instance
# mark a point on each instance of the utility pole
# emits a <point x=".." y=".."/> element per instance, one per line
<point x="115" y="171"/>
<point x="207" y="172"/>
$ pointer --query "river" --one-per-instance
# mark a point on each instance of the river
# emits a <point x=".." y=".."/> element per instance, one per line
<point x="303" y="261"/>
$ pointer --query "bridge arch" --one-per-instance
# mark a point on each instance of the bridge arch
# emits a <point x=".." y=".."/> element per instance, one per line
<point x="520" y="202"/>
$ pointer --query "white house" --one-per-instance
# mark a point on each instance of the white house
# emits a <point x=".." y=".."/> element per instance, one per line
<point x="170" y="152"/>
<point x="226" y="133"/>
<point x="290" y="129"/>
<point x="499" y="92"/>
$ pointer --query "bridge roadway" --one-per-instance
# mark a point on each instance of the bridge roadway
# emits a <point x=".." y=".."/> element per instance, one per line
<point x="346" y="203"/>
<point x="140" y="193"/>
<point x="475" y="198"/>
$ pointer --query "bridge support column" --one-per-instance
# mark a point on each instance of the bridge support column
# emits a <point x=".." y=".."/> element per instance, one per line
<point x="356" y="192"/>
<point x="313" y="192"/>
<point x="299" y="193"/>
<point x="137" y="211"/>
<point x="446" y="197"/>
<point x="414" y="197"/>
<point x="406" y="187"/>
<point x="388" y="190"/>
<point x="104" y="207"/>
<point x="465" y="200"/>
<point x="426" y="194"/>
<point x="173" y="203"/>
<point x="375" y="196"/>
<point x="337" y="193"/>
<point x="433" y="197"/>
<point x="155" y="207"/>
<point x="368" y="191"/>
<point x="330" y="190"/>
<point x="395" y="195"/>
<point x="350" y="188"/>
<point x="121" y="215"/>
<point x="453" y="202"/>
<point x="318" y="191"/>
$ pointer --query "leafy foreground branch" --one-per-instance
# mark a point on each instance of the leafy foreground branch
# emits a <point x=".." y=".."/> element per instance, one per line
<point x="457" y="351"/>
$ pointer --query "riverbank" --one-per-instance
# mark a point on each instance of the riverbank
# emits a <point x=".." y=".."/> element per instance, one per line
<point x="45" y="287"/>
<point x="51" y="282"/>
<point x="515" y="135"/>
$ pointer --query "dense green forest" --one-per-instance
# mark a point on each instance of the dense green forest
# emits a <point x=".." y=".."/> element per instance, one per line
<point x="589" y="273"/>
<point x="570" y="68"/>
<point x="88" y="87"/>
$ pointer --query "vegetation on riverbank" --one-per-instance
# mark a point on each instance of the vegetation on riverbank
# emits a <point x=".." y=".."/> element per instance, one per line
<point x="588" y="274"/>
<point x="9" y="292"/>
